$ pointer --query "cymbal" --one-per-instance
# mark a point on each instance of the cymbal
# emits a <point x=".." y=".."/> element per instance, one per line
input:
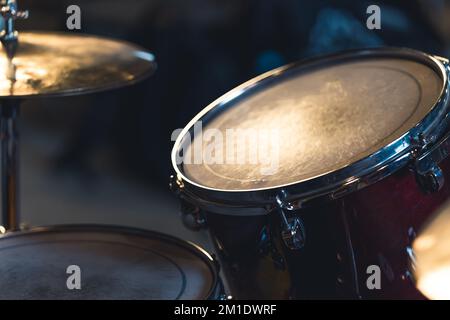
<point x="58" y="64"/>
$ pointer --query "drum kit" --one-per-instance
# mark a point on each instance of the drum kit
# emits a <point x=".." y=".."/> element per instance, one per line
<point x="363" y="145"/>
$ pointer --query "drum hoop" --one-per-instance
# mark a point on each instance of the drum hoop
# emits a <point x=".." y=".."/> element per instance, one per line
<point x="188" y="245"/>
<point x="347" y="179"/>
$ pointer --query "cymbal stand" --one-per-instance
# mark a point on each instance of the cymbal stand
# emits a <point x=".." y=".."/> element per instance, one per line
<point x="9" y="112"/>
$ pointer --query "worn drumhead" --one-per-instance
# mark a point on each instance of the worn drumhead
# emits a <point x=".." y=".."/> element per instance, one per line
<point x="310" y="120"/>
<point x="115" y="263"/>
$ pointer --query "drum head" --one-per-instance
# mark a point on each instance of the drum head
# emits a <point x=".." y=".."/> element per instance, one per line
<point x="115" y="263"/>
<point x="309" y="120"/>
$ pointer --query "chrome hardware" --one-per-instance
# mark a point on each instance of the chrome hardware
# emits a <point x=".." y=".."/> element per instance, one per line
<point x="293" y="232"/>
<point x="411" y="234"/>
<point x="411" y="257"/>
<point x="9" y="35"/>
<point x="429" y="176"/>
<point x="175" y="184"/>
<point x="431" y="181"/>
<point x="408" y="275"/>
<point x="282" y="202"/>
<point x="347" y="188"/>
<point x="191" y="216"/>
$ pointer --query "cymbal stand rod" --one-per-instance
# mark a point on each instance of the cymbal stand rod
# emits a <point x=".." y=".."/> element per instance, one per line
<point x="9" y="113"/>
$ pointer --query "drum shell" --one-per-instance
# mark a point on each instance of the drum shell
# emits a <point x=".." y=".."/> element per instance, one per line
<point x="257" y="264"/>
<point x="373" y="226"/>
<point x="383" y="221"/>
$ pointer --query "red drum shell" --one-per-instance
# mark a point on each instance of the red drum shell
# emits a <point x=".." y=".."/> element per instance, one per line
<point x="384" y="219"/>
<point x="373" y="226"/>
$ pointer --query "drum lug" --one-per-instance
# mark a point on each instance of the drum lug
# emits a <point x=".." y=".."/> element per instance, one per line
<point x="191" y="215"/>
<point x="429" y="176"/>
<point x="293" y="232"/>
<point x="432" y="180"/>
<point x="175" y="184"/>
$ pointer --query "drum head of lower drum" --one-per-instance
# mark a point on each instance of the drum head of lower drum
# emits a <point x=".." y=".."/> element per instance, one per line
<point x="306" y="121"/>
<point x="114" y="264"/>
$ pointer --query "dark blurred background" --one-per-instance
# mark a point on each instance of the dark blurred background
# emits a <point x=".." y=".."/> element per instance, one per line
<point x="106" y="157"/>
